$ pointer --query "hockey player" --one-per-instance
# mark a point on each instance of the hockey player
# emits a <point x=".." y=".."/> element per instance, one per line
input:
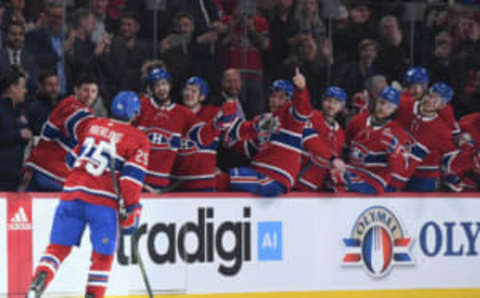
<point x="165" y="122"/>
<point x="416" y="80"/>
<point x="316" y="170"/>
<point x="45" y="169"/>
<point x="432" y="134"/>
<point x="275" y="167"/>
<point x="195" y="165"/>
<point x="89" y="196"/>
<point x="376" y="148"/>
<point x="462" y="171"/>
<point x="193" y="97"/>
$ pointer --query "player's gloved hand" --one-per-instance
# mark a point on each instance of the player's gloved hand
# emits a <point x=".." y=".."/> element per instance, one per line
<point x="130" y="224"/>
<point x="266" y="123"/>
<point x="226" y="115"/>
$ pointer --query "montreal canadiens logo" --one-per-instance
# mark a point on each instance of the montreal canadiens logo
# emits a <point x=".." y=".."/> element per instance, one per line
<point x="161" y="139"/>
<point x="377" y="242"/>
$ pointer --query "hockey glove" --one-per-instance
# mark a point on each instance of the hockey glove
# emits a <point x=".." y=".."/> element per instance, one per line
<point x="226" y="115"/>
<point x="130" y="224"/>
<point x="266" y="123"/>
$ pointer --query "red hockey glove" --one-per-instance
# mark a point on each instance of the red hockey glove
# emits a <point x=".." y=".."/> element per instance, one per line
<point x="226" y="115"/>
<point x="130" y="224"/>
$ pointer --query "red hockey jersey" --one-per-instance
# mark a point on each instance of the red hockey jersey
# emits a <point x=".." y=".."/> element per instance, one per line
<point x="316" y="168"/>
<point x="195" y="164"/>
<point x="58" y="138"/>
<point x="279" y="157"/>
<point x="164" y="127"/>
<point x="433" y="136"/>
<point x="463" y="169"/>
<point x="102" y="142"/>
<point x="377" y="153"/>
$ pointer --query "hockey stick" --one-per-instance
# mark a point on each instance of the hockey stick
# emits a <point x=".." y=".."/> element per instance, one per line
<point x="122" y="214"/>
<point x="169" y="188"/>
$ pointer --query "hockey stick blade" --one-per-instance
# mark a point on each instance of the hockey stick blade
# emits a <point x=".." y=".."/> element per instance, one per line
<point x="167" y="189"/>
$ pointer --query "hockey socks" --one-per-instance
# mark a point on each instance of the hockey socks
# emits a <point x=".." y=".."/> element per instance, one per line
<point x="49" y="264"/>
<point x="98" y="274"/>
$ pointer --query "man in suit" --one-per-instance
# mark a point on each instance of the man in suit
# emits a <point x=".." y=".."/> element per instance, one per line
<point x="14" y="54"/>
<point x="46" y="43"/>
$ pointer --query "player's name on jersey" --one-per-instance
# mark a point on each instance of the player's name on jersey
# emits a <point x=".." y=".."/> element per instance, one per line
<point x="106" y="132"/>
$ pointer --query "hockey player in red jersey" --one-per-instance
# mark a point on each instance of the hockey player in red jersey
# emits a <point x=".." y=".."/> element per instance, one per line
<point x="165" y="122"/>
<point x="89" y="196"/>
<point x="45" y="168"/>
<point x="462" y="171"/>
<point x="276" y="165"/>
<point x="432" y="135"/>
<point x="416" y="82"/>
<point x="195" y="165"/>
<point x="315" y="168"/>
<point x="376" y="148"/>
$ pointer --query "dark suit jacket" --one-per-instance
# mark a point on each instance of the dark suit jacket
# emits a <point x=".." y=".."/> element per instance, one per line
<point x="28" y="63"/>
<point x="39" y="43"/>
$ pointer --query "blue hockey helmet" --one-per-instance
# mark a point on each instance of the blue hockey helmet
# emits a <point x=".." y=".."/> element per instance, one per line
<point x="335" y="92"/>
<point x="391" y="94"/>
<point x="156" y="75"/>
<point x="284" y="86"/>
<point x="416" y="75"/>
<point x="198" y="81"/>
<point x="445" y="91"/>
<point x="125" y="105"/>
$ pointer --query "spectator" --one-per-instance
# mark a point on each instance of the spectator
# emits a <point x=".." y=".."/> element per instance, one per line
<point x="15" y="53"/>
<point x="354" y="74"/>
<point x="307" y="22"/>
<point x="280" y="23"/>
<point x="46" y="43"/>
<point x="128" y="53"/>
<point x="13" y="132"/>
<point x="359" y="28"/>
<point x="102" y="22"/>
<point x="314" y="63"/>
<point x="48" y="95"/>
<point x="340" y="36"/>
<point x="440" y="64"/>
<point x="187" y="54"/>
<point x="394" y="55"/>
<point x="13" y="12"/>
<point x="204" y="13"/>
<point x="245" y="54"/>
<point x="83" y="56"/>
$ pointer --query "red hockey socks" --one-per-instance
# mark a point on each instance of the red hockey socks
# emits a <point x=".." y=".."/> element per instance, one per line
<point x="98" y="274"/>
<point x="51" y="260"/>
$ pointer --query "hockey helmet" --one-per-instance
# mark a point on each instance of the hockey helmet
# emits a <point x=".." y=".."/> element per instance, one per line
<point x="284" y="86"/>
<point x="198" y="81"/>
<point x="391" y="94"/>
<point x="125" y="105"/>
<point x="335" y="92"/>
<point x="416" y="75"/>
<point x="445" y="91"/>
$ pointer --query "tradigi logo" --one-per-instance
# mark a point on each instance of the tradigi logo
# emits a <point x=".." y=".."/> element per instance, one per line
<point x="377" y="242"/>
<point x="211" y="241"/>
<point x="270" y="241"/>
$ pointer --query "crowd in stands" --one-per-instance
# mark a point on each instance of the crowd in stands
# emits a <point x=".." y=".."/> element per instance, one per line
<point x="268" y="96"/>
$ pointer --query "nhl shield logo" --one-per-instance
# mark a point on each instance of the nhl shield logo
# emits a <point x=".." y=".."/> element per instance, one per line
<point x="377" y="242"/>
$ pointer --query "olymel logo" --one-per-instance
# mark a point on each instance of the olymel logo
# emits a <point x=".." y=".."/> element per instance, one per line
<point x="377" y="242"/>
<point x="19" y="221"/>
